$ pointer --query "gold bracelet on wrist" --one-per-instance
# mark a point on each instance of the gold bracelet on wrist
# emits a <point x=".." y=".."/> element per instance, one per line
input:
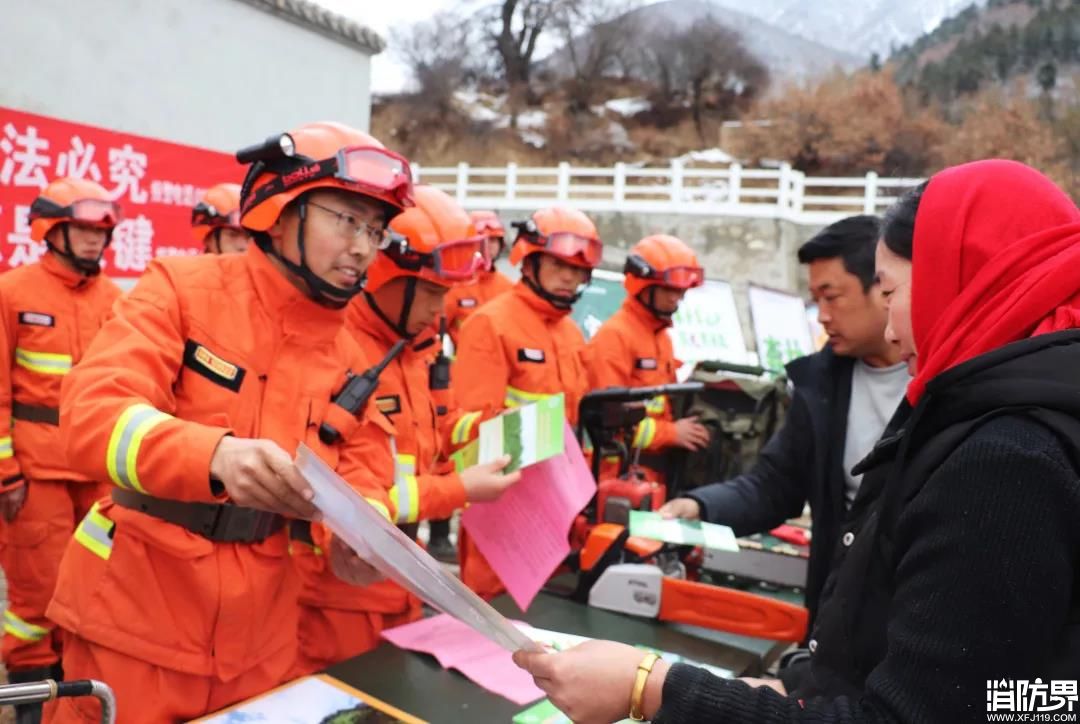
<point x="643" y="671"/>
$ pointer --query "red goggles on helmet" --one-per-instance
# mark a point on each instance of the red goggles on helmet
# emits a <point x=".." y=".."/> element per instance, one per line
<point x="205" y="214"/>
<point x="83" y="211"/>
<point x="452" y="261"/>
<point x="367" y="169"/>
<point x="568" y="245"/>
<point x="677" y="277"/>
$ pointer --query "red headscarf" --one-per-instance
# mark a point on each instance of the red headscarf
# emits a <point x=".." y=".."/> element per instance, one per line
<point x="996" y="260"/>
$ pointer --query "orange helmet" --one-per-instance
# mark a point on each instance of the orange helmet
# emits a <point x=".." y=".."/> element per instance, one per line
<point x="491" y="228"/>
<point x="318" y="155"/>
<point x="435" y="241"/>
<point x="219" y="208"/>
<point x="73" y="200"/>
<point x="661" y="261"/>
<point x="564" y="233"/>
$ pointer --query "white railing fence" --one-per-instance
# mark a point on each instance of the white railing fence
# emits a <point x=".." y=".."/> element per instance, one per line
<point x="678" y="189"/>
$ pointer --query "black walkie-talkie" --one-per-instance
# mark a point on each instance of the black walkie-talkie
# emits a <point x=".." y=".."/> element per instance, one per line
<point x="439" y="372"/>
<point x="357" y="390"/>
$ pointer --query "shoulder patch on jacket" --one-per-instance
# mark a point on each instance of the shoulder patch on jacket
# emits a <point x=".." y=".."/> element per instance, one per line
<point x="388" y="405"/>
<point x="37" y="319"/>
<point x="530" y="355"/>
<point x="202" y="361"/>
<point x="467" y="303"/>
<point x="645" y="363"/>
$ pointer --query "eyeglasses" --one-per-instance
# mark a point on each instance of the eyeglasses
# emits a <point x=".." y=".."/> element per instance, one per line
<point x="352" y="228"/>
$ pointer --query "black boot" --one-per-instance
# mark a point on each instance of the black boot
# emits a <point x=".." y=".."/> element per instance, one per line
<point x="31" y="713"/>
<point x="439" y="545"/>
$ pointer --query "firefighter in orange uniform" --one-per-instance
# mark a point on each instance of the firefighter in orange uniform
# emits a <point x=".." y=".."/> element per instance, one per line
<point x="466" y="297"/>
<point x="523" y="346"/>
<point x="178" y="590"/>
<point x="633" y="347"/>
<point x="215" y="221"/>
<point x="49" y="312"/>
<point x="430" y="247"/>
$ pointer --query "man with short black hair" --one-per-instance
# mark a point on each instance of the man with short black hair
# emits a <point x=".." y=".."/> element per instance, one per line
<point x="844" y="396"/>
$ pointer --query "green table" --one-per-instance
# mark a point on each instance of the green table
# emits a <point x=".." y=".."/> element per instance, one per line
<point x="415" y="683"/>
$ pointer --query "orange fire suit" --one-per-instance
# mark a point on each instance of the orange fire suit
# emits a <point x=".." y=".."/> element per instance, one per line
<point x="464" y="299"/>
<point x="633" y="349"/>
<point x="48" y="315"/>
<point x="179" y="623"/>
<point x="517" y="349"/>
<point x="338" y="621"/>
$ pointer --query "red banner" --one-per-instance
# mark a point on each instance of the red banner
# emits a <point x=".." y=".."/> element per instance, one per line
<point x="156" y="183"/>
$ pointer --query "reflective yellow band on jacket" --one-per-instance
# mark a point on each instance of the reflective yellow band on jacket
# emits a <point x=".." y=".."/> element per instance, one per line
<point x="46" y="363"/>
<point x="6" y="450"/>
<point x="95" y="533"/>
<point x="656" y="405"/>
<point x="15" y="626"/>
<point x="463" y="428"/>
<point x="122" y="456"/>
<point x="517" y="398"/>
<point x="405" y="495"/>
<point x="646" y="433"/>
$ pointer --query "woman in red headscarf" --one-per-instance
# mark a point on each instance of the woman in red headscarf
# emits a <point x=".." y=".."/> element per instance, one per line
<point x="958" y="574"/>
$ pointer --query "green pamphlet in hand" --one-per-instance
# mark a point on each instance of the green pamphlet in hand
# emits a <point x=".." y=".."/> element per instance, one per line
<point x="647" y="524"/>
<point x="528" y="434"/>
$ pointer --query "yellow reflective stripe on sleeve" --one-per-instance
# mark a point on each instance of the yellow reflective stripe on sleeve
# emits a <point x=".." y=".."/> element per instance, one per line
<point x="122" y="456"/>
<point x="656" y="405"/>
<point x="46" y="363"/>
<point x="463" y="428"/>
<point x="22" y="630"/>
<point x="405" y="495"/>
<point x="646" y="433"/>
<point x="517" y="398"/>
<point x="379" y="507"/>
<point x="95" y="533"/>
<point x="6" y="450"/>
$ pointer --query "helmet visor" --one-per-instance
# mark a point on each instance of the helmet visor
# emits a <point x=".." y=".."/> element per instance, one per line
<point x="375" y="168"/>
<point x="568" y="246"/>
<point x="93" y="211"/>
<point x="459" y="260"/>
<point x="683" y="277"/>
<point x="205" y="214"/>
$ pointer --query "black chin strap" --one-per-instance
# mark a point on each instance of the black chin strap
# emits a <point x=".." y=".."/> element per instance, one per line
<point x="86" y="267"/>
<point x="651" y="304"/>
<point x="216" y="234"/>
<point x="402" y="325"/>
<point x="320" y="291"/>
<point x="556" y="300"/>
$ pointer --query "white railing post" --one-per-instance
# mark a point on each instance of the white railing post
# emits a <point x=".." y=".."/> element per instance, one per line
<point x="783" y="193"/>
<point x="511" y="181"/>
<point x="563" y="191"/>
<point x="462" y="181"/>
<point x="798" y="189"/>
<point x="415" y="172"/>
<point x="619" y="182"/>
<point x="676" y="180"/>
<point x="870" y="195"/>
<point x="734" y="183"/>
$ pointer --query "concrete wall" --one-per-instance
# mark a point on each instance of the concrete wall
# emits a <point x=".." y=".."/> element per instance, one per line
<point x="214" y="73"/>
<point x="736" y="249"/>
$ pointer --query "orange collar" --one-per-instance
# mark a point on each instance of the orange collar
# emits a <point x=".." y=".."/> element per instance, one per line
<point x="70" y="278"/>
<point x="547" y="311"/>
<point x="300" y="315"/>
<point x="646" y="318"/>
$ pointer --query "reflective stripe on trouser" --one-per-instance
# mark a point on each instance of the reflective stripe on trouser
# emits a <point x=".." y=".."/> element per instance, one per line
<point x="463" y="428"/>
<point x="6" y="450"/>
<point x="405" y="495"/>
<point x="46" y="363"/>
<point x="122" y="457"/>
<point x="646" y="433"/>
<point x="22" y="630"/>
<point x="517" y="398"/>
